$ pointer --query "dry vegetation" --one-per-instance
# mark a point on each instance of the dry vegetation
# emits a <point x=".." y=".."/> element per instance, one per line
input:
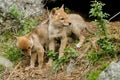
<point x="83" y="66"/>
<point x="91" y="59"/>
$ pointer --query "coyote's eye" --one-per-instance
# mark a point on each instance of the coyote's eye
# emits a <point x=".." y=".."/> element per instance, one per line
<point x="61" y="18"/>
<point x="23" y="50"/>
<point x="29" y="47"/>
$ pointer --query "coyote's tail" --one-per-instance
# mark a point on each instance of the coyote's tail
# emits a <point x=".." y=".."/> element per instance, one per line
<point x="90" y="31"/>
<point x="5" y="62"/>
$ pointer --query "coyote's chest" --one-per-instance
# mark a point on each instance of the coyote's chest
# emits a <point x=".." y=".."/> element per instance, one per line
<point x="55" y="32"/>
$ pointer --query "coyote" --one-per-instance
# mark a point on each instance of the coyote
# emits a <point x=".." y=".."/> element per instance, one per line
<point x="61" y="25"/>
<point x="58" y="23"/>
<point x="33" y="43"/>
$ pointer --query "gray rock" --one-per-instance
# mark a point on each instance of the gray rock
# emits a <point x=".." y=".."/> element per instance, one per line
<point x="112" y="72"/>
<point x="28" y="6"/>
<point x="6" y="62"/>
<point x="21" y="9"/>
<point x="70" y="67"/>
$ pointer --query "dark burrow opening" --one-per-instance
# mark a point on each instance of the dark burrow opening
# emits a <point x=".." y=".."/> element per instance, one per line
<point x="82" y="7"/>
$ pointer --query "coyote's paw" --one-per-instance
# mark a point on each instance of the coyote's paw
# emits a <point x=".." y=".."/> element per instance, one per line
<point x="49" y="64"/>
<point x="29" y="67"/>
<point x="78" y="45"/>
<point x="40" y="66"/>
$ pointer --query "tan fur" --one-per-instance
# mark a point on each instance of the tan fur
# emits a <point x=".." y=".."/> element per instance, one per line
<point x="62" y="25"/>
<point x="32" y="44"/>
<point x="57" y="20"/>
<point x="78" y="24"/>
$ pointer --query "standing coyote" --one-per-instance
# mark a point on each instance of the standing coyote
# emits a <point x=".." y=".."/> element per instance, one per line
<point x="62" y="25"/>
<point x="58" y="23"/>
<point x="33" y="44"/>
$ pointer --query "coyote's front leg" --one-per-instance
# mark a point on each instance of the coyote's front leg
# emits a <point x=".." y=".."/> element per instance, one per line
<point x="62" y="46"/>
<point x="40" y="51"/>
<point x="32" y="61"/>
<point x="51" y="47"/>
<point x="81" y="41"/>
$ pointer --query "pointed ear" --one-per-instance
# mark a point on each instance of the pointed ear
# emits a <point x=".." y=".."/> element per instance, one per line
<point x="62" y="7"/>
<point x="28" y="35"/>
<point x="53" y="11"/>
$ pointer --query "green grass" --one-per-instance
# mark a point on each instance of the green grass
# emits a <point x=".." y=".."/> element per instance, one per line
<point x="94" y="75"/>
<point x="1" y="69"/>
<point x="12" y="53"/>
<point x="69" y="53"/>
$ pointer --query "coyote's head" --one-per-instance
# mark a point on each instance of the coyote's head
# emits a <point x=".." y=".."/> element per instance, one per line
<point x="25" y="43"/>
<point x="59" y="17"/>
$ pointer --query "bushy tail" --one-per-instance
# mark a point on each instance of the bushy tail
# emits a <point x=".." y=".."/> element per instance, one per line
<point x="89" y="30"/>
<point x="6" y="62"/>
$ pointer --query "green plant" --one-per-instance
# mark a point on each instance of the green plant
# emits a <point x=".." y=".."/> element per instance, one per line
<point x="27" y="23"/>
<point x="67" y="10"/>
<point x="94" y="56"/>
<point x="102" y="23"/>
<point x="53" y="55"/>
<point x="107" y="46"/>
<point x="1" y="69"/>
<point x="68" y="53"/>
<point x="104" y="65"/>
<point x="102" y="27"/>
<point x="93" y="75"/>
<point x="58" y="63"/>
<point x="6" y="36"/>
<point x="12" y="53"/>
<point x="18" y="14"/>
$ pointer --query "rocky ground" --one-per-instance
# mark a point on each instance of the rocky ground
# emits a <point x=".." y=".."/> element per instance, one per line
<point x="81" y="66"/>
<point x="80" y="69"/>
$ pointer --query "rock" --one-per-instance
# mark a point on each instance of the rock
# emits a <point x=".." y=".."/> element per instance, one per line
<point x="28" y="6"/>
<point x="112" y="72"/>
<point x="6" y="62"/>
<point x="70" y="67"/>
<point x="14" y="11"/>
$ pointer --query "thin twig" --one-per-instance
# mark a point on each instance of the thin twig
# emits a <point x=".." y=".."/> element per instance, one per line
<point x="114" y="16"/>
